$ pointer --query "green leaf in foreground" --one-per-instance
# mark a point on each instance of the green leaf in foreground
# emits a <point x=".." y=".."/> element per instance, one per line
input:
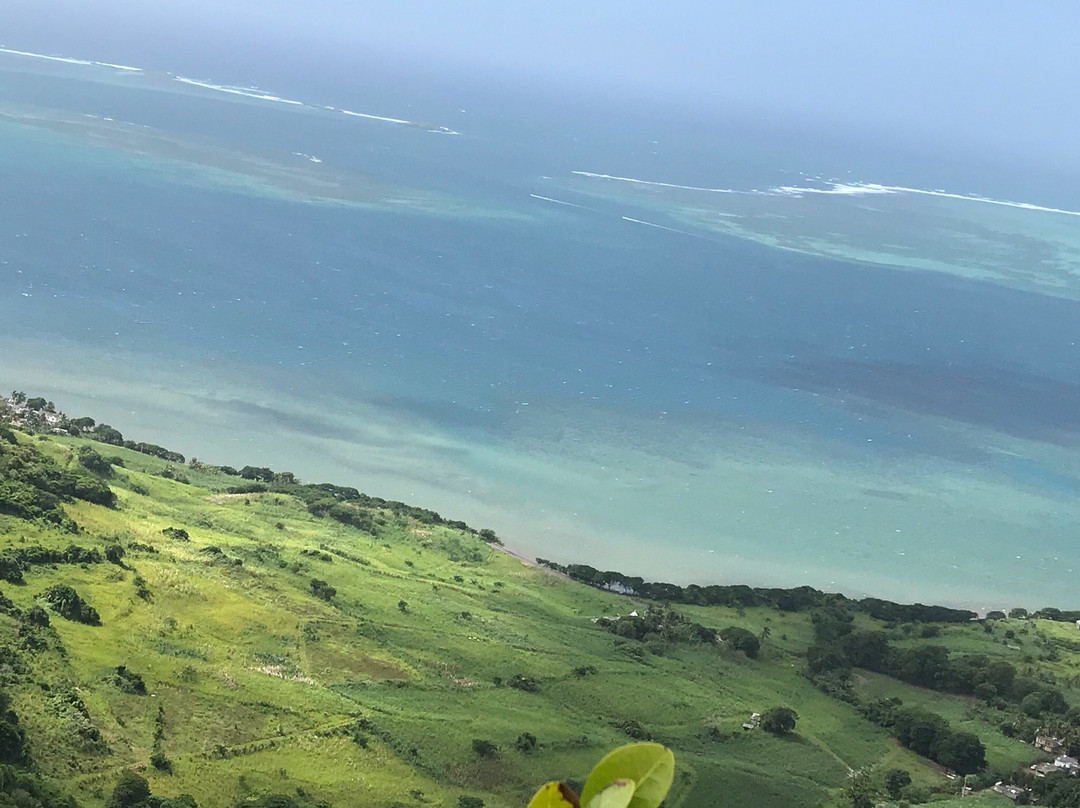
<point x="614" y="795"/>
<point x="554" y="795"/>
<point x="650" y="765"/>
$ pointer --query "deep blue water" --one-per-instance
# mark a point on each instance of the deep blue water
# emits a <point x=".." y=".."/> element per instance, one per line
<point x="623" y="334"/>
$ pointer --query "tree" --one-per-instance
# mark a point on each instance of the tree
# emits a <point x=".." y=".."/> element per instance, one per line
<point x="779" y="720"/>
<point x="114" y="553"/>
<point x="739" y="639"/>
<point x="108" y="434"/>
<point x="962" y="752"/>
<point x="1045" y="700"/>
<point x="131" y="791"/>
<point x="919" y="730"/>
<point x="90" y="460"/>
<point x="860" y="789"/>
<point x="895" y="782"/>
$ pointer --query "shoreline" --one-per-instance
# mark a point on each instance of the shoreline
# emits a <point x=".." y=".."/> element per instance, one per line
<point x="51" y="421"/>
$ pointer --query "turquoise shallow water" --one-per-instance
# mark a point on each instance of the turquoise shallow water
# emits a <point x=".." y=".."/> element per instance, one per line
<point x="686" y="403"/>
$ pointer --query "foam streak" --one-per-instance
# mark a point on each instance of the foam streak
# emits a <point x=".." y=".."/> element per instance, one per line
<point x="659" y="184"/>
<point x="70" y="61"/>
<point x="559" y="201"/>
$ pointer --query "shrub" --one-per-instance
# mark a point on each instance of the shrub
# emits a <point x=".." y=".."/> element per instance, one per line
<point x="484" y="748"/>
<point x="127" y="681"/>
<point x="321" y="589"/>
<point x="175" y="533"/>
<point x="526" y="742"/>
<point x="523" y="682"/>
<point x="12" y="738"/>
<point x="66" y="602"/>
<point x="896" y="780"/>
<point x="141" y="589"/>
<point x="36" y="616"/>
<point x="160" y="762"/>
<point x="634" y="729"/>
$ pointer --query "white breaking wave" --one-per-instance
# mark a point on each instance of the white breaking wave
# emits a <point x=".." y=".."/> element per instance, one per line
<point x="975" y="198"/>
<point x="439" y="130"/>
<point x="658" y="226"/>
<point x="835" y="189"/>
<point x="375" y="117"/>
<point x="310" y="157"/>
<point x="247" y="92"/>
<point x="660" y="184"/>
<point x="559" y="201"/>
<point x="841" y="189"/>
<point x="70" y="61"/>
<point x="857" y="188"/>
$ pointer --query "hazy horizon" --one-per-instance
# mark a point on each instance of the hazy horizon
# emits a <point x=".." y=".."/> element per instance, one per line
<point x="977" y="78"/>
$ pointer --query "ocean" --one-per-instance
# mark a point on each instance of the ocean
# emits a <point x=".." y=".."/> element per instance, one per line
<point x="685" y="347"/>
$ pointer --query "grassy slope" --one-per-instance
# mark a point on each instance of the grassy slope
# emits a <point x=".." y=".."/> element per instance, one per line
<point x="242" y="659"/>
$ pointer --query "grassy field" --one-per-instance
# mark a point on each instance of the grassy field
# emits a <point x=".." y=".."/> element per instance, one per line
<point x="375" y="696"/>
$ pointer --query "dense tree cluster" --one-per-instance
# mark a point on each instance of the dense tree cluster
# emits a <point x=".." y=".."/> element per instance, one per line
<point x="17" y="560"/>
<point x="798" y="599"/>
<point x="929" y="735"/>
<point x="995" y="681"/>
<point x="343" y="503"/>
<point x="33" y="485"/>
<point x="659" y="623"/>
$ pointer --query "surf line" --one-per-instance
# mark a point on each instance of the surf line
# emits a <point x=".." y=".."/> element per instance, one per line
<point x="658" y="226"/>
<point x="595" y="176"/>
<point x="560" y="202"/>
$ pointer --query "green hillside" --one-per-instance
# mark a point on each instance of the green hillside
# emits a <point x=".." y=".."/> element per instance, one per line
<point x="257" y="636"/>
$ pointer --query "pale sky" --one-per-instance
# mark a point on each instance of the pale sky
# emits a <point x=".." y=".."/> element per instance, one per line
<point x="1000" y="75"/>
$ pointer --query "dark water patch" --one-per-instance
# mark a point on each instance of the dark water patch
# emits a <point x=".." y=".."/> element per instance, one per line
<point x="305" y="423"/>
<point x="896" y="496"/>
<point x="1013" y="401"/>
